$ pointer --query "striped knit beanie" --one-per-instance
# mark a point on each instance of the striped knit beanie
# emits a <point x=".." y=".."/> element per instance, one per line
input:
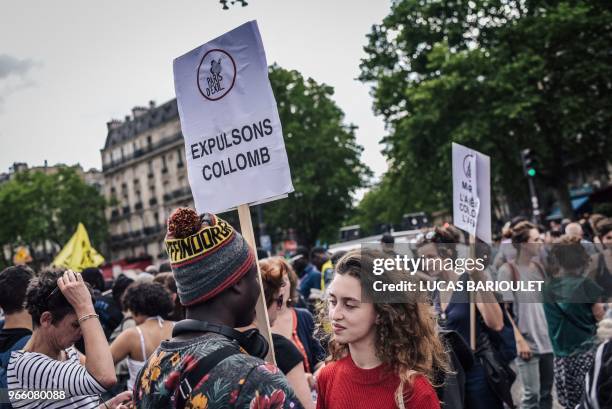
<point x="206" y="255"/>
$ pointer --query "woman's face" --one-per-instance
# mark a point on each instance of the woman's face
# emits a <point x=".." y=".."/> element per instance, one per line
<point x="429" y="251"/>
<point x="62" y="334"/>
<point x="534" y="242"/>
<point x="285" y="291"/>
<point x="352" y="321"/>
<point x="607" y="239"/>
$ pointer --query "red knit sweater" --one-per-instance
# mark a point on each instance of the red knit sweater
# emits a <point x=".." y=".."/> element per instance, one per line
<point x="343" y="385"/>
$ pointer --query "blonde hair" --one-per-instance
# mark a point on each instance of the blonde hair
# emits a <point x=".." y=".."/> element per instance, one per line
<point x="604" y="329"/>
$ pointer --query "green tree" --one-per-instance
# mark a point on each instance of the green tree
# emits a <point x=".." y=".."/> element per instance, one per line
<point x="378" y="205"/>
<point x="323" y="156"/>
<point x="36" y="207"/>
<point x="498" y="76"/>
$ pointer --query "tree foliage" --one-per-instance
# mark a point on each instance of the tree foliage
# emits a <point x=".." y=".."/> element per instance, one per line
<point x="323" y="156"/>
<point x="36" y="207"/>
<point x="498" y="76"/>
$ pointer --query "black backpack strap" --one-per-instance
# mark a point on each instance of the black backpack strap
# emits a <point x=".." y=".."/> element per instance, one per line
<point x="189" y="380"/>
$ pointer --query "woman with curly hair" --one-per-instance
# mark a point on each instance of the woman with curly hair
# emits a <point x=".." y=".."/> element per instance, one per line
<point x="382" y="355"/>
<point x="62" y="311"/>
<point x="148" y="302"/>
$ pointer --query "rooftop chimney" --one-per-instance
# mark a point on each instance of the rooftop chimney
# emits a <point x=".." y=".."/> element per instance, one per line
<point x="113" y="124"/>
<point x="138" y="111"/>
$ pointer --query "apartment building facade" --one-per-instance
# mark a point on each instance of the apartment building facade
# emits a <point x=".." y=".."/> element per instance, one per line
<point x="145" y="178"/>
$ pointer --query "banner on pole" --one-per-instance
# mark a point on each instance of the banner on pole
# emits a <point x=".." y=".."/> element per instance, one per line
<point x="233" y="137"/>
<point x="472" y="192"/>
<point x="78" y="254"/>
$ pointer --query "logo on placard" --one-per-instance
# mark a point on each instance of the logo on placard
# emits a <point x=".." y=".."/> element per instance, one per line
<point x="467" y="165"/>
<point x="216" y="74"/>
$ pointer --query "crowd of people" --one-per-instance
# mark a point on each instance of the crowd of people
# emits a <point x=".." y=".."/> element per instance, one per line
<point x="187" y="337"/>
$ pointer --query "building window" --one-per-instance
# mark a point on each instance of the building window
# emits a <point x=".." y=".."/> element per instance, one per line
<point x="164" y="165"/>
<point x="180" y="159"/>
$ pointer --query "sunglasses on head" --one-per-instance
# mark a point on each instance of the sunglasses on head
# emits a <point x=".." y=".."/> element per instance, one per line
<point x="52" y="293"/>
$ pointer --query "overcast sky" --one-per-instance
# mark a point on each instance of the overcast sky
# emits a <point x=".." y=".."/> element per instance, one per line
<point x="69" y="66"/>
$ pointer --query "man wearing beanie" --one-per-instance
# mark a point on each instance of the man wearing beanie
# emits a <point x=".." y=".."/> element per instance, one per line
<point x="206" y="364"/>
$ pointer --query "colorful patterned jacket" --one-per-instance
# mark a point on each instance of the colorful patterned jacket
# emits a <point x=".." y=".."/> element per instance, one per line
<point x="240" y="381"/>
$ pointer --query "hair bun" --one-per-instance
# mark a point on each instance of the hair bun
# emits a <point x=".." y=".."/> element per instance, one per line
<point x="183" y="222"/>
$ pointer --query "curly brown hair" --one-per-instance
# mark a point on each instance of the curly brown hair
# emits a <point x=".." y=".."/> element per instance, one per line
<point x="43" y="295"/>
<point x="406" y="333"/>
<point x="147" y="298"/>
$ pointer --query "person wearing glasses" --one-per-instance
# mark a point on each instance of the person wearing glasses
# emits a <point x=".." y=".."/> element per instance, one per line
<point x="288" y="357"/>
<point x="62" y="311"/>
<point x="297" y="324"/>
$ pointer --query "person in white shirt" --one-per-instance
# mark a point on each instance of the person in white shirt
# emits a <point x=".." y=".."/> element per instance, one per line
<point x="62" y="311"/>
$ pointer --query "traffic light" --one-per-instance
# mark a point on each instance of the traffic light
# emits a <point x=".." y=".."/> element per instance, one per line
<point x="529" y="163"/>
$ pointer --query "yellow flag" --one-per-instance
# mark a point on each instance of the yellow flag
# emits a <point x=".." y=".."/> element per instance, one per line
<point x="78" y="254"/>
<point x="22" y="256"/>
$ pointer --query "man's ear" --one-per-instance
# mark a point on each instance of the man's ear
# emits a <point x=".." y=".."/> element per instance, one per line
<point x="238" y="287"/>
<point x="46" y="319"/>
<point x="241" y="286"/>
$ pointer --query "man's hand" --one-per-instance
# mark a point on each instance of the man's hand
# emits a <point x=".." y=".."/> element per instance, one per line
<point x="121" y="401"/>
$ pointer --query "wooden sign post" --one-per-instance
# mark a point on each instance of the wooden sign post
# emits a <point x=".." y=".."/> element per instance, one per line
<point x="472" y="254"/>
<point x="472" y="206"/>
<point x="263" y="323"/>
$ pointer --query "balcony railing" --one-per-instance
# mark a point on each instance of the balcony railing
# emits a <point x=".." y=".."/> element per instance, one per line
<point x="138" y="153"/>
<point x="136" y="236"/>
<point x="177" y="195"/>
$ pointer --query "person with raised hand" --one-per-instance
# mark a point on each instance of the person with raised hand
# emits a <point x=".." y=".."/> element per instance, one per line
<point x="62" y="311"/>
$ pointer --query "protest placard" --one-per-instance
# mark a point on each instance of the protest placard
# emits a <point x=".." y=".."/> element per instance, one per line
<point x="472" y="192"/>
<point x="233" y="137"/>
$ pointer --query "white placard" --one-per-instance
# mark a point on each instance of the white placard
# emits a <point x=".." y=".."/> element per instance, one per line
<point x="472" y="192"/>
<point x="233" y="137"/>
